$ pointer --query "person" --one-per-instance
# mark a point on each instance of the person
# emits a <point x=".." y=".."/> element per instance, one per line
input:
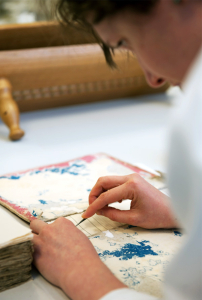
<point x="166" y="37"/>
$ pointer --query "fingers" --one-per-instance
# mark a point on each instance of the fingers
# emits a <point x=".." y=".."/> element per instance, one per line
<point x="122" y="192"/>
<point x="37" y="225"/>
<point x="122" y="216"/>
<point x="38" y="251"/>
<point x="105" y="183"/>
<point x="36" y="243"/>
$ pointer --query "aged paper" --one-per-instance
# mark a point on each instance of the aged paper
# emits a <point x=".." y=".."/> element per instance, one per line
<point x="12" y="229"/>
<point x="61" y="189"/>
<point x="94" y="225"/>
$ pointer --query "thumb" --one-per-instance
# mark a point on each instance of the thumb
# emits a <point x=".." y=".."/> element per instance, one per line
<point x="121" y="216"/>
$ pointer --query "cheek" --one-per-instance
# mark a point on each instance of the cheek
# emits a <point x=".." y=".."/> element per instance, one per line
<point x="151" y="61"/>
<point x="158" y="62"/>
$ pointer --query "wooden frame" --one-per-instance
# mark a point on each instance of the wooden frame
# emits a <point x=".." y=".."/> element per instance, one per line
<point x="40" y="35"/>
<point x="44" y="76"/>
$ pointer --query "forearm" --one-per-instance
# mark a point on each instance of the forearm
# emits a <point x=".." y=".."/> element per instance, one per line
<point x="93" y="281"/>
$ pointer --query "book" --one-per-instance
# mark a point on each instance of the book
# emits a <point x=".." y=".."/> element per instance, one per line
<point x="16" y="246"/>
<point x="49" y="192"/>
<point x="138" y="257"/>
<point x="62" y="189"/>
<point x="15" y="250"/>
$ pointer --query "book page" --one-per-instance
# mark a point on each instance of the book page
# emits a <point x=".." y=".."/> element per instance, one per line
<point x="94" y="225"/>
<point x="138" y="257"/>
<point x="12" y="229"/>
<point x="61" y="189"/>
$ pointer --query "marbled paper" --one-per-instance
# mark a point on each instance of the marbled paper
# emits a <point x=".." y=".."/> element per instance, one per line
<point x="61" y="189"/>
<point x="138" y="257"/>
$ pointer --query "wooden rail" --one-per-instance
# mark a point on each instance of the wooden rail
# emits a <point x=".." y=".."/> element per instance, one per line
<point x="40" y="35"/>
<point x="57" y="76"/>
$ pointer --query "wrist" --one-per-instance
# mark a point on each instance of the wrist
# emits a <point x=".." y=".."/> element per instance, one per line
<point x="91" y="281"/>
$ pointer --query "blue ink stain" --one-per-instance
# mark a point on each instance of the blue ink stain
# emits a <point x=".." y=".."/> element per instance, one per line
<point x="128" y="251"/>
<point x="34" y="213"/>
<point x="55" y="170"/>
<point x="88" y="190"/>
<point x="11" y="177"/>
<point x="178" y="233"/>
<point x="130" y="226"/>
<point x="74" y="169"/>
<point x="129" y="276"/>
<point x="35" y="172"/>
<point x="112" y="244"/>
<point x="15" y="177"/>
<point x="43" y="201"/>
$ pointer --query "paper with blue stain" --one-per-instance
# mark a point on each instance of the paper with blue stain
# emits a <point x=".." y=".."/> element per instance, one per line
<point x="62" y="189"/>
<point x="138" y="257"/>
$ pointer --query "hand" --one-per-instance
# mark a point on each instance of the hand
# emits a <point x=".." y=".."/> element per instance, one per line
<point x="149" y="207"/>
<point x="66" y="257"/>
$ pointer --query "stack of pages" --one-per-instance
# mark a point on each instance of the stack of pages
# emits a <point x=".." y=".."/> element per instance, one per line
<point x="15" y="250"/>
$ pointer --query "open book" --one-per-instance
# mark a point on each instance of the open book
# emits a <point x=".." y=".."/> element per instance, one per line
<point x="48" y="193"/>
<point x="138" y="257"/>
<point x="16" y="246"/>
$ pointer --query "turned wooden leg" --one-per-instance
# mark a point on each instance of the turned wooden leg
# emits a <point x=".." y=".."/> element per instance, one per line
<point x="9" y="110"/>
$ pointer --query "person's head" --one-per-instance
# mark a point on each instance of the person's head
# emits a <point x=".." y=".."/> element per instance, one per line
<point x="165" y="35"/>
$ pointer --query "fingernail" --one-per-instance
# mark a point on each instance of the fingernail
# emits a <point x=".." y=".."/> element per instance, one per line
<point x="83" y="215"/>
<point x="99" y="212"/>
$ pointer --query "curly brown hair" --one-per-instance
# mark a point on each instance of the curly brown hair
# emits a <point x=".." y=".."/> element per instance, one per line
<point x="74" y="12"/>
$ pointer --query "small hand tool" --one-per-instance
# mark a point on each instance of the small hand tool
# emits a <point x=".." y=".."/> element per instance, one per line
<point x="80" y="222"/>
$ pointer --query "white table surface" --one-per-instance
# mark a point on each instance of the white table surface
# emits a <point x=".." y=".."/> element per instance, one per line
<point x="133" y="130"/>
